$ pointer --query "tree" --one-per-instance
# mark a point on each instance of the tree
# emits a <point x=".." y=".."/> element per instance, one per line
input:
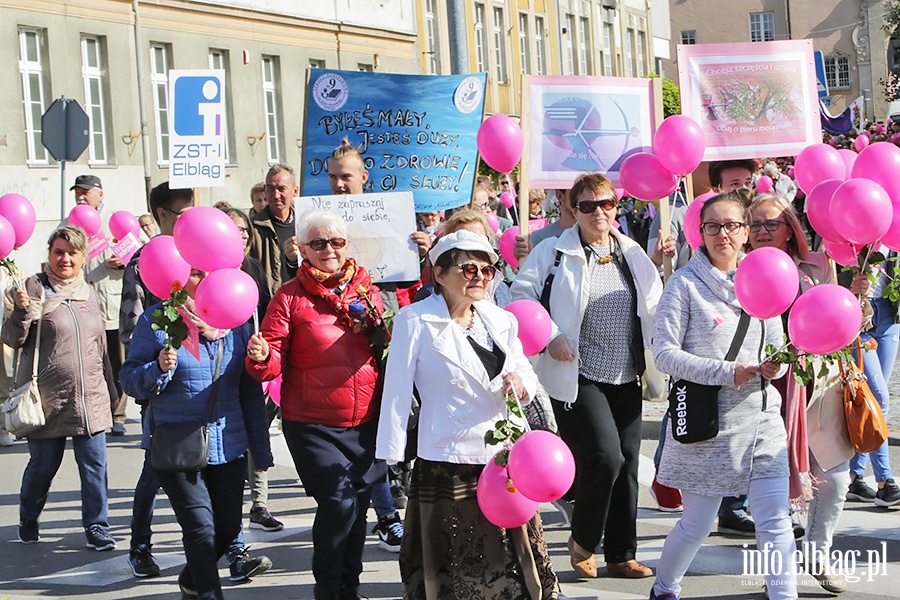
<point x="671" y="96"/>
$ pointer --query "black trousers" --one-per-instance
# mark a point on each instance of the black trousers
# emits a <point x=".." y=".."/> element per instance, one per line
<point x="603" y="429"/>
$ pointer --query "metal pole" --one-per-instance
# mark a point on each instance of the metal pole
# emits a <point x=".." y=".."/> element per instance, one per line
<point x="142" y="98"/>
<point x="456" y="22"/>
<point x="62" y="190"/>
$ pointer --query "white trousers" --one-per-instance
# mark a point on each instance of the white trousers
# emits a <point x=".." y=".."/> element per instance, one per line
<point x="770" y="506"/>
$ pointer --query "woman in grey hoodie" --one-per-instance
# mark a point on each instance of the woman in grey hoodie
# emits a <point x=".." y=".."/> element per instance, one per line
<point x="696" y="322"/>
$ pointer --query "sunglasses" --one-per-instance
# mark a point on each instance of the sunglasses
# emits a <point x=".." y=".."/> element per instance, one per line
<point x="589" y="206"/>
<point x="319" y="244"/>
<point x="470" y="270"/>
<point x="711" y="229"/>
<point x="770" y="225"/>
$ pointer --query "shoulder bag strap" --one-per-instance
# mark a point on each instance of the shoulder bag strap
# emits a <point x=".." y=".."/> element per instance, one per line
<point x="215" y="386"/>
<point x="548" y="283"/>
<point x="37" y="347"/>
<point x="739" y="336"/>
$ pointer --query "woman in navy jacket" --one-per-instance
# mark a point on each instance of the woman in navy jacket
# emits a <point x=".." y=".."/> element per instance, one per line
<point x="179" y="387"/>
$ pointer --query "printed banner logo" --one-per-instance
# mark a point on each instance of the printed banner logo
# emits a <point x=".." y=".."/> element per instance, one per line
<point x="199" y="106"/>
<point x="197" y="139"/>
<point x="330" y="91"/>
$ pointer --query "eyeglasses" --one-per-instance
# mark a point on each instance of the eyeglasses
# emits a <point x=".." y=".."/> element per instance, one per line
<point x="504" y="183"/>
<point x="179" y="213"/>
<point x="770" y="225"/>
<point x="244" y="231"/>
<point x="319" y="244"/>
<point x="482" y="205"/>
<point x="470" y="270"/>
<point x="711" y="229"/>
<point x="589" y="206"/>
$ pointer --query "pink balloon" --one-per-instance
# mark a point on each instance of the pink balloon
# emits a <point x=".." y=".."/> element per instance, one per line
<point x="692" y="220"/>
<point x="500" y="143"/>
<point x="493" y="222"/>
<point x="818" y="210"/>
<point x="879" y="128"/>
<point x="86" y="217"/>
<point x="895" y="138"/>
<point x="789" y="170"/>
<point x="541" y="466"/>
<point x="861" y="143"/>
<point x="534" y="325"/>
<point x="508" y="246"/>
<point x="824" y="319"/>
<point x="679" y="144"/>
<point x="769" y="269"/>
<point x="226" y="298"/>
<point x="7" y="238"/>
<point x="764" y="184"/>
<point x="500" y="506"/>
<point x="891" y="238"/>
<point x="121" y="223"/>
<point x="209" y="240"/>
<point x="274" y="390"/>
<point x="861" y="211"/>
<point x="645" y="178"/>
<point x="16" y="209"/>
<point x="841" y="252"/>
<point x="880" y="163"/>
<point x="508" y="199"/>
<point x="816" y="163"/>
<point x="161" y="265"/>
<point x="849" y="157"/>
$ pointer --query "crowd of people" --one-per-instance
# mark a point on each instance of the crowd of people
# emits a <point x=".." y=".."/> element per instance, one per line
<point x="387" y="390"/>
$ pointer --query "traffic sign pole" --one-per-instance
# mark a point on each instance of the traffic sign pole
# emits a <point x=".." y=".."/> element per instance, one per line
<point x="65" y="133"/>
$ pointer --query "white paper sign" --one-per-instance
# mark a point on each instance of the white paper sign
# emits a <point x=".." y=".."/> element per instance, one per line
<point x="196" y="128"/>
<point x="379" y="226"/>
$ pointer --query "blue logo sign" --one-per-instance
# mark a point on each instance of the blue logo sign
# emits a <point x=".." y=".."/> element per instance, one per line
<point x="197" y="106"/>
<point x="821" y="80"/>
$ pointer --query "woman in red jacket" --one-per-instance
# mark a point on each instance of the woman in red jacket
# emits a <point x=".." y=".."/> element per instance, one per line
<point x="316" y="335"/>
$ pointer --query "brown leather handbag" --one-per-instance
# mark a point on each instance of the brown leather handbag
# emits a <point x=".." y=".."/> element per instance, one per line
<point x="865" y="421"/>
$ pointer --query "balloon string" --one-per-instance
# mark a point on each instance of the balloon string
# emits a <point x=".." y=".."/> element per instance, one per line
<point x="256" y="320"/>
<point x="521" y="410"/>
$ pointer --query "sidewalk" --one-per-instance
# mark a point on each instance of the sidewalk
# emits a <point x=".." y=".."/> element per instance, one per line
<point x="60" y="566"/>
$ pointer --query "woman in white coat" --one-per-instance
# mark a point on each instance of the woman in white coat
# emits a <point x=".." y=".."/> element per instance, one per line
<point x="462" y="354"/>
<point x="601" y="291"/>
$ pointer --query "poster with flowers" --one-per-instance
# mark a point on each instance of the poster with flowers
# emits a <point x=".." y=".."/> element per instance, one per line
<point x="751" y="99"/>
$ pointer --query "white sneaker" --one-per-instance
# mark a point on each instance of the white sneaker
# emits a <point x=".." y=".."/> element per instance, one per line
<point x="6" y="439"/>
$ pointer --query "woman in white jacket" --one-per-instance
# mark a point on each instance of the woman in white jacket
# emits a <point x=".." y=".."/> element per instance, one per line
<point x="601" y="291"/>
<point x="462" y="354"/>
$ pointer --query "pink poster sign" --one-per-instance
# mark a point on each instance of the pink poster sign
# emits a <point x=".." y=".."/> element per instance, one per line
<point x="581" y="124"/>
<point x="97" y="243"/>
<point x="752" y="99"/>
<point x="125" y="248"/>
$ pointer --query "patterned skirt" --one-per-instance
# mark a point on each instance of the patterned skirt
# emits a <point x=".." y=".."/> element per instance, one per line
<point x="450" y="551"/>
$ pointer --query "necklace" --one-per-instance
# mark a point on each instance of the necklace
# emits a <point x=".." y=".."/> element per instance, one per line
<point x="603" y="260"/>
<point x="470" y="321"/>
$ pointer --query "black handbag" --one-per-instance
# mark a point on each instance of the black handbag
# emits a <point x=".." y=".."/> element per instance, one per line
<point x="694" y="407"/>
<point x="184" y="447"/>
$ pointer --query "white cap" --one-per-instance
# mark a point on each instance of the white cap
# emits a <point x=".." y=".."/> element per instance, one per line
<point x="462" y="240"/>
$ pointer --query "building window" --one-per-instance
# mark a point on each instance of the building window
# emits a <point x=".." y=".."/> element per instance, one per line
<point x="629" y="53"/>
<point x="365" y="67"/>
<point x="539" y="45"/>
<point x="317" y="63"/>
<point x="570" y="44"/>
<point x="500" y="45"/>
<point x="160" y="62"/>
<point x="431" y="45"/>
<point x="524" y="44"/>
<point x="480" y="39"/>
<point x="31" y="49"/>
<point x="218" y="59"/>
<point x="610" y="49"/>
<point x="94" y="98"/>
<point x="641" y="45"/>
<point x="584" y="42"/>
<point x="837" y="72"/>
<point x="270" y="100"/>
<point x="762" y="27"/>
<point x="689" y="37"/>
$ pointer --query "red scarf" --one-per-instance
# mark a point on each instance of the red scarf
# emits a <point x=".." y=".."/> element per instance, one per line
<point x="339" y="289"/>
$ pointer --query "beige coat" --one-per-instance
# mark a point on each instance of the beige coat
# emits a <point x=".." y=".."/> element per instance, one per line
<point x="74" y="373"/>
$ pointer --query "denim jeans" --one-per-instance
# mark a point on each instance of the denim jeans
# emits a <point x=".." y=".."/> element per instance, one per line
<point x="144" y="504"/>
<point x="46" y="456"/>
<point x="771" y="509"/>
<point x="208" y="506"/>
<point x="878" y="365"/>
<point x="382" y="500"/>
<point x="829" y="491"/>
